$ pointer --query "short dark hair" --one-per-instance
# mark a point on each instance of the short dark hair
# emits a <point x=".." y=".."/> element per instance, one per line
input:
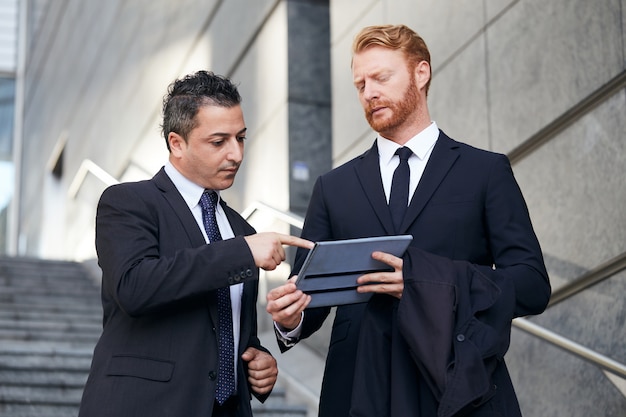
<point x="186" y="95"/>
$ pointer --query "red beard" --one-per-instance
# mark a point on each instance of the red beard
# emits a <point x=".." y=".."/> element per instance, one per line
<point x="400" y="111"/>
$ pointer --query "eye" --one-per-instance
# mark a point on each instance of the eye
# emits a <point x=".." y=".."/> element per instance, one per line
<point x="241" y="138"/>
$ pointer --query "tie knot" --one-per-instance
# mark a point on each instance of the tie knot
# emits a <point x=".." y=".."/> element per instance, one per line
<point x="208" y="199"/>
<point x="404" y="153"/>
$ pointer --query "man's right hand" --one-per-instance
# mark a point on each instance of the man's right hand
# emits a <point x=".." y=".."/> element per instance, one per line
<point x="267" y="248"/>
<point x="286" y="304"/>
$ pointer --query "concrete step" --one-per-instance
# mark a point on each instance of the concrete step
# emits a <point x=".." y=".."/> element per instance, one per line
<point x="50" y="321"/>
<point x="59" y="326"/>
<point x="48" y="300"/>
<point x="22" y="314"/>
<point x="46" y="335"/>
<point x="38" y="410"/>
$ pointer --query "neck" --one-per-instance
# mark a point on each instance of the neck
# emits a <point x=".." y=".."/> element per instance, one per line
<point x="406" y="132"/>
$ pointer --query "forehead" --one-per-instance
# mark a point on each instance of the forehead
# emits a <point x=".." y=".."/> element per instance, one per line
<point x="376" y="59"/>
<point x="220" y="119"/>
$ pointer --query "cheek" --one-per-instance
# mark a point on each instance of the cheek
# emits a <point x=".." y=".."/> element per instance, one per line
<point x="363" y="101"/>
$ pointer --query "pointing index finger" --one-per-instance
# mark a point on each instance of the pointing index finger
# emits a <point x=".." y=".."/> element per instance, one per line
<point x="295" y="241"/>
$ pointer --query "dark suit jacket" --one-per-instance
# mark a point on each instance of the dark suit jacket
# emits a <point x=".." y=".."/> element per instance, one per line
<point x="157" y="355"/>
<point x="467" y="207"/>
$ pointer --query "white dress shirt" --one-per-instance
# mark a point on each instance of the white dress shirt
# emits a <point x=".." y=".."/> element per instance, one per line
<point x="191" y="193"/>
<point x="422" y="146"/>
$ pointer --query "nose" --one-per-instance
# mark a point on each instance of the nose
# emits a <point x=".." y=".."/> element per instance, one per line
<point x="369" y="92"/>
<point x="235" y="150"/>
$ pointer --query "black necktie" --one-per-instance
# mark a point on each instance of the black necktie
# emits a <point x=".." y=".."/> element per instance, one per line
<point x="399" y="199"/>
<point x="226" y="368"/>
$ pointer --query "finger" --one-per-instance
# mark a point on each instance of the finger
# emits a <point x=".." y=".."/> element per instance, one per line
<point x="376" y="277"/>
<point x="249" y="354"/>
<point x="283" y="290"/>
<point x="288" y="306"/>
<point x="389" y="259"/>
<point x="289" y="318"/>
<point x="287" y="299"/>
<point x="268" y="266"/>
<point x="281" y="253"/>
<point x="262" y="378"/>
<point x="390" y="289"/>
<point x="295" y="241"/>
<point x="263" y="366"/>
<point x="263" y="386"/>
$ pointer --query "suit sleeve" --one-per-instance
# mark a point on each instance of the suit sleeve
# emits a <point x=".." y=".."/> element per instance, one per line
<point x="514" y="245"/>
<point x="148" y="261"/>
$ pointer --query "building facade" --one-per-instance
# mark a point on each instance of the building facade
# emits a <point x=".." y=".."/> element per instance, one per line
<point x="543" y="82"/>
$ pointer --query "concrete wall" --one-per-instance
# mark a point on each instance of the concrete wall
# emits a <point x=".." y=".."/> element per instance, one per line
<point x="95" y="81"/>
<point x="506" y="74"/>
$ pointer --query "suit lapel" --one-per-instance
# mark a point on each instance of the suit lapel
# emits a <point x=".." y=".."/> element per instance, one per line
<point x="189" y="225"/>
<point x="368" y="172"/>
<point x="441" y="160"/>
<point x="179" y="207"/>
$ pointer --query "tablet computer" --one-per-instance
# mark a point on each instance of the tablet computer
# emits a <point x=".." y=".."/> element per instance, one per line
<point x="331" y="268"/>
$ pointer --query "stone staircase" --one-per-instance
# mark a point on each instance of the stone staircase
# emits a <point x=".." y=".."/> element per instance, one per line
<point x="50" y="320"/>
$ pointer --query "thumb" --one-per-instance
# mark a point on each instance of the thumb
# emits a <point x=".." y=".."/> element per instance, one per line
<point x="248" y="354"/>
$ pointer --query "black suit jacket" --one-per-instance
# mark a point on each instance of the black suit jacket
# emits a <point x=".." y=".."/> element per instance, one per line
<point x="467" y="207"/>
<point x="157" y="355"/>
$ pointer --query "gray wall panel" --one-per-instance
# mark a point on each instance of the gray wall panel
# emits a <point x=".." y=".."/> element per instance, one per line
<point x="544" y="57"/>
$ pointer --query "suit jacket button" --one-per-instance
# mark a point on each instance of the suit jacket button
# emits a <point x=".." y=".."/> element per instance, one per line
<point x="249" y="272"/>
<point x="212" y="375"/>
<point x="242" y="274"/>
<point x="460" y="337"/>
<point x="231" y="280"/>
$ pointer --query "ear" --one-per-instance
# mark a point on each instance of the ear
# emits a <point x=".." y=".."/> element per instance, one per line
<point x="177" y="144"/>
<point x="422" y="74"/>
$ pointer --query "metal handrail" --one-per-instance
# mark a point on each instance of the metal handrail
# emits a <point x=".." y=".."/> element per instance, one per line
<point x="288" y="217"/>
<point x="88" y="166"/>
<point x="572" y="347"/>
<point x="596" y="275"/>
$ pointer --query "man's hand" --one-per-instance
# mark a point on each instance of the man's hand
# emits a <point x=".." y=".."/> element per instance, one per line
<point x="262" y="370"/>
<point x="286" y="304"/>
<point x="267" y="248"/>
<point x="391" y="283"/>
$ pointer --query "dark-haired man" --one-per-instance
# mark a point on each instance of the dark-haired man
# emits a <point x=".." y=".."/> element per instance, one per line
<point x="180" y="273"/>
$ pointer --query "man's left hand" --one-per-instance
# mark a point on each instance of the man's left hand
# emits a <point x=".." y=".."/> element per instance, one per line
<point x="262" y="370"/>
<point x="391" y="283"/>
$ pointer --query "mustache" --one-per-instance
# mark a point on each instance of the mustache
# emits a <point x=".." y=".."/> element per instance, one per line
<point x="230" y="166"/>
<point x="374" y="104"/>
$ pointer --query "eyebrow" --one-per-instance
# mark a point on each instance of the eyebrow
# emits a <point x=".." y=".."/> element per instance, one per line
<point x="375" y="74"/>
<point x="225" y="135"/>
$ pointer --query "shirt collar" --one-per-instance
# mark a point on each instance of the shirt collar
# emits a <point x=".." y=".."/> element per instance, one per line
<point x="420" y="144"/>
<point x="190" y="191"/>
